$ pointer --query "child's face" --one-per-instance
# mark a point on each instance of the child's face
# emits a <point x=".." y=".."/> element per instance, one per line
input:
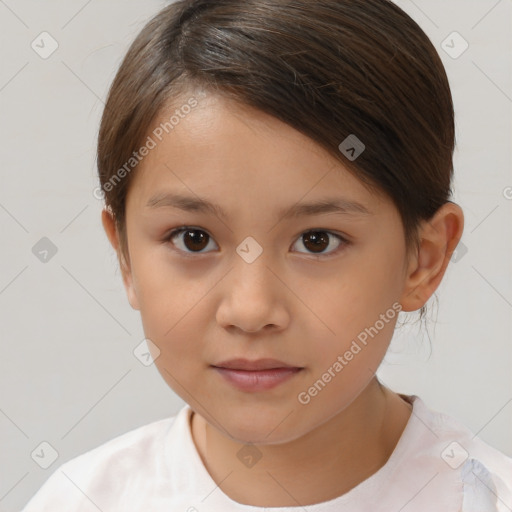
<point x="202" y="302"/>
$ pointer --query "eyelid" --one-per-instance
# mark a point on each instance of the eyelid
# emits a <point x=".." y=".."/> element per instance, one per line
<point x="343" y="239"/>
<point x="178" y="230"/>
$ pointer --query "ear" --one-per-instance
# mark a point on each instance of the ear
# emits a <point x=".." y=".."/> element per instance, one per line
<point x="111" y="230"/>
<point x="438" y="239"/>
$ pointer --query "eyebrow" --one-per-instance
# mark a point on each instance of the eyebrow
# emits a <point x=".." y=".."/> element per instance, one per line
<point x="197" y="204"/>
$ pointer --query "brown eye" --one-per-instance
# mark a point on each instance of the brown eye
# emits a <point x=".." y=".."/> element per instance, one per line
<point x="318" y="241"/>
<point x="190" y="239"/>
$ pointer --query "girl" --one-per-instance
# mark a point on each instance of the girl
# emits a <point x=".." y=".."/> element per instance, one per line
<point x="277" y="178"/>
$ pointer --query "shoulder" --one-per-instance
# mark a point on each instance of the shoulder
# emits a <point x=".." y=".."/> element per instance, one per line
<point x="481" y="472"/>
<point x="126" y="450"/>
<point x="486" y="475"/>
<point x="106" y="470"/>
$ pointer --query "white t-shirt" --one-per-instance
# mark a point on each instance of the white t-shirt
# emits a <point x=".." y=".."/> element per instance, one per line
<point x="436" y="466"/>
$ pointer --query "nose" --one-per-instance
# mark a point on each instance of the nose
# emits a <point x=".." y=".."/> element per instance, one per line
<point x="253" y="298"/>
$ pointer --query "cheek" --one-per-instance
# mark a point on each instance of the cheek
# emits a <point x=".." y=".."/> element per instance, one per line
<point x="165" y="292"/>
<point x="354" y="314"/>
<point x="181" y="361"/>
<point x="341" y="366"/>
<point x="174" y="326"/>
<point x="352" y="300"/>
<point x="172" y="308"/>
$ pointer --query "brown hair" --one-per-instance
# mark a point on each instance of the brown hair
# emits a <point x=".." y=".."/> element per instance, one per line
<point x="328" y="68"/>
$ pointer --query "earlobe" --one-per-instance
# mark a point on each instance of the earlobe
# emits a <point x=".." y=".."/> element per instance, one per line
<point x="109" y="226"/>
<point x="439" y="237"/>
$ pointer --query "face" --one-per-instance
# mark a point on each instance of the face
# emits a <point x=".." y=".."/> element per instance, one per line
<point x="259" y="277"/>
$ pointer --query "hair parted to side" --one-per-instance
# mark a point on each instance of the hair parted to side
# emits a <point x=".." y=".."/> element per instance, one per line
<point x="328" y="68"/>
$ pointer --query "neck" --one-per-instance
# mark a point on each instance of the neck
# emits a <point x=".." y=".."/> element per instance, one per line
<point x="322" y="465"/>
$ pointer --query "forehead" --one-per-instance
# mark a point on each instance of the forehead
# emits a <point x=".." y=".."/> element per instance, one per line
<point x="232" y="153"/>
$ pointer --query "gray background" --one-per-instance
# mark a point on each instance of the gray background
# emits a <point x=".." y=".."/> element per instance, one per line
<point x="68" y="373"/>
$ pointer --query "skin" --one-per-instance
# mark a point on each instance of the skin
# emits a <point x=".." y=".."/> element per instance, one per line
<point x="291" y="303"/>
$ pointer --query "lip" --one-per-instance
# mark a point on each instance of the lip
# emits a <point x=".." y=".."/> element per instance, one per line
<point x="259" y="375"/>
<point x="258" y="364"/>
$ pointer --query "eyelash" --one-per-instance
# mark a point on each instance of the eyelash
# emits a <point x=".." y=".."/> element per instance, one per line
<point x="343" y="241"/>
